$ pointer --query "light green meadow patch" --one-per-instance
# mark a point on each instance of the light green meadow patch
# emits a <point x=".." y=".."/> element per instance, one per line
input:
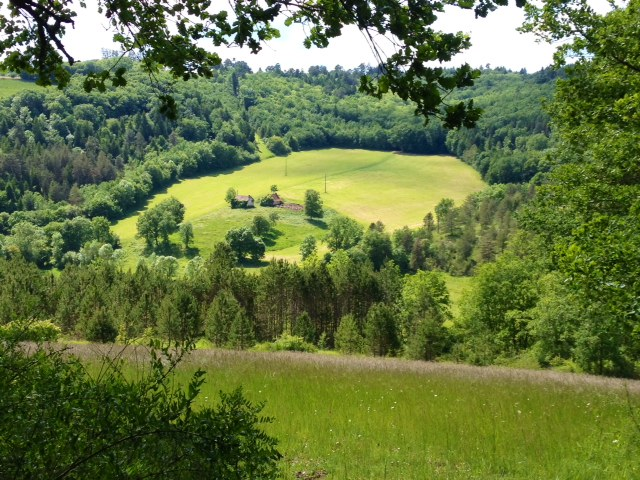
<point x="11" y="86"/>
<point x="457" y="287"/>
<point x="368" y="186"/>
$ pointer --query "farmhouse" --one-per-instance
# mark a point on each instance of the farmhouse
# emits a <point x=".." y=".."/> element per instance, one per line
<point x="277" y="201"/>
<point x="273" y="200"/>
<point x="244" y="201"/>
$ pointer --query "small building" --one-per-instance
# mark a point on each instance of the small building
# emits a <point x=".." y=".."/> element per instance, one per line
<point x="277" y="201"/>
<point x="244" y="201"/>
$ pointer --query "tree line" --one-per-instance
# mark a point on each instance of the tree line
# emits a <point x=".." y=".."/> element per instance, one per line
<point x="356" y="295"/>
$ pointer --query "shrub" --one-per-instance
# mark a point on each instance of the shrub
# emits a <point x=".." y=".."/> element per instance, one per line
<point x="30" y="331"/>
<point x="266" y="201"/>
<point x="278" y="146"/>
<point x="114" y="425"/>
<point x="100" y="328"/>
<point x="286" y="342"/>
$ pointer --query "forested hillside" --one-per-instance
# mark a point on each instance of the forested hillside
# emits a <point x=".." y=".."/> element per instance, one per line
<point x="71" y="154"/>
<point x="71" y="162"/>
<point x="321" y="108"/>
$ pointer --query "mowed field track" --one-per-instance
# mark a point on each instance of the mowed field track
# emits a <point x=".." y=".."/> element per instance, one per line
<point x="369" y="186"/>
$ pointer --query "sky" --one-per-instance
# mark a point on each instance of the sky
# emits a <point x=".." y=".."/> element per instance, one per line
<point x="495" y="41"/>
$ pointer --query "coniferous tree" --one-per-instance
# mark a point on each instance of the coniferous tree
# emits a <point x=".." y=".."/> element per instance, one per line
<point x="241" y="335"/>
<point x="381" y="334"/>
<point x="223" y="311"/>
<point x="348" y="338"/>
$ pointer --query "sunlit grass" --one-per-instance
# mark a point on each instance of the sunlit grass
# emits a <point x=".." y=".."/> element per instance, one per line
<point x="365" y="418"/>
<point x="368" y="186"/>
<point x="457" y="287"/>
<point x="10" y="86"/>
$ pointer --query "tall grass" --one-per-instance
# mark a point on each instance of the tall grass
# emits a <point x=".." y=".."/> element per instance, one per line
<point x="364" y="418"/>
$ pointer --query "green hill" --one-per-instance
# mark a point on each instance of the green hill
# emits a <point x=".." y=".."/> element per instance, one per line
<point x="368" y="186"/>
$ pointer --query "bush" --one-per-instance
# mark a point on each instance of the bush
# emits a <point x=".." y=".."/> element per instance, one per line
<point x="30" y="331"/>
<point x="267" y="201"/>
<point x="286" y="342"/>
<point x="100" y="328"/>
<point x="114" y="425"/>
<point x="278" y="146"/>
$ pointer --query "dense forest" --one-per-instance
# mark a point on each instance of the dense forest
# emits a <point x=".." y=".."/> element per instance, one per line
<point x="72" y="162"/>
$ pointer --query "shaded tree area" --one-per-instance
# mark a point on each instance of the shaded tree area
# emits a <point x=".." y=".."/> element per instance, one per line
<point x="53" y="141"/>
<point x="565" y="293"/>
<point x="463" y="237"/>
<point x="223" y="303"/>
<point x="321" y="108"/>
<point x="512" y="138"/>
<point x="109" y="425"/>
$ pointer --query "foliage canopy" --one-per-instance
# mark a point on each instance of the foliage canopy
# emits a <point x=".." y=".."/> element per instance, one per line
<point x="167" y="34"/>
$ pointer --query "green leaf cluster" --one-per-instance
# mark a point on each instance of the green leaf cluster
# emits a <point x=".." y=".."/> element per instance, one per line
<point x="60" y="421"/>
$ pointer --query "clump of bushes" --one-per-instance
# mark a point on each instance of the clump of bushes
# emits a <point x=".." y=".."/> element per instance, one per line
<point x="286" y="342"/>
<point x="30" y="331"/>
<point x="278" y="146"/>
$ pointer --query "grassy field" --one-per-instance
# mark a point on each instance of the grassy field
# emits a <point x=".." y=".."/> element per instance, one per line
<point x="10" y="86"/>
<point x="368" y="186"/>
<point x="365" y="418"/>
<point x="456" y="287"/>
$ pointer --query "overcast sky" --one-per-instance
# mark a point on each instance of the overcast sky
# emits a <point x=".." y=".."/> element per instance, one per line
<point x="495" y="42"/>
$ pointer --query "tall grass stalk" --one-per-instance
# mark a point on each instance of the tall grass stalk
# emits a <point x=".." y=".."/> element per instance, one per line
<point x="365" y="418"/>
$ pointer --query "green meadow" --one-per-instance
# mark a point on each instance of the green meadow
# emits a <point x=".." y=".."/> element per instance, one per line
<point x="371" y="418"/>
<point x="11" y="86"/>
<point x="366" y="185"/>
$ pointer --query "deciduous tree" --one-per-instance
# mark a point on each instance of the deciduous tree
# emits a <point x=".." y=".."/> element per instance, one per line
<point x="243" y="243"/>
<point x="113" y="425"/>
<point x="158" y="222"/>
<point x="344" y="233"/>
<point x="308" y="247"/>
<point x="186" y="234"/>
<point x="313" y="204"/>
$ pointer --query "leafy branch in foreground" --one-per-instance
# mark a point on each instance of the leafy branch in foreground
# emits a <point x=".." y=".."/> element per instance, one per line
<point x="58" y="421"/>
<point x="174" y="35"/>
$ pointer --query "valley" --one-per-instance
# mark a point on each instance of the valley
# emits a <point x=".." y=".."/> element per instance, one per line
<point x="368" y="186"/>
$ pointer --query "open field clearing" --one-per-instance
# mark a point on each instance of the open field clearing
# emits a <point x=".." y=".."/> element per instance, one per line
<point x="457" y="287"/>
<point x="10" y="86"/>
<point x="365" y="418"/>
<point x="368" y="186"/>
